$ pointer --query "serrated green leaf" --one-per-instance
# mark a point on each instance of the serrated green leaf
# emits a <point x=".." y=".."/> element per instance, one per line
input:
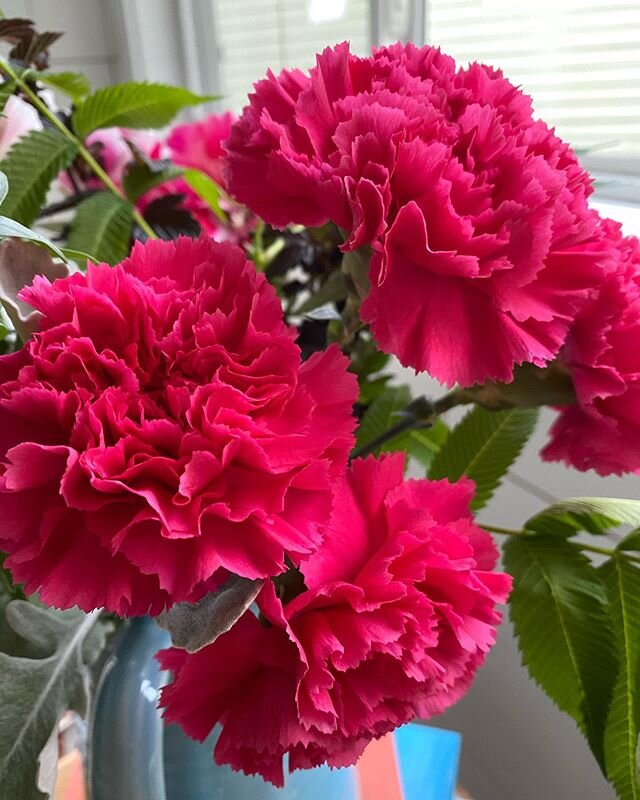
<point x="381" y="415"/>
<point x="559" y="610"/>
<point x="423" y="444"/>
<point x="596" y="515"/>
<point x="622" y="582"/>
<point x="483" y="446"/>
<point x="140" y="178"/>
<point x="133" y="105"/>
<point x="102" y="227"/>
<point x="30" y="166"/>
<point x="36" y="691"/>
<point x="73" y="84"/>
<point x="207" y="190"/>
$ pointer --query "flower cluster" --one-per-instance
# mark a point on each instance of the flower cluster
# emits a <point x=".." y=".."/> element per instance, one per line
<point x="396" y="614"/>
<point x="484" y="247"/>
<point x="160" y="427"/>
<point x="601" y="430"/>
<point x="196" y="145"/>
<point x="163" y="430"/>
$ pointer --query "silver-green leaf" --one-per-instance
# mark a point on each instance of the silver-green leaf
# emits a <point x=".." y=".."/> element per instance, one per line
<point x="195" y="625"/>
<point x="20" y="262"/>
<point x="35" y="691"/>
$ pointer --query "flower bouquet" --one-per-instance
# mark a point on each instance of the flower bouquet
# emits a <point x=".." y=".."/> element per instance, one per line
<point x="200" y="421"/>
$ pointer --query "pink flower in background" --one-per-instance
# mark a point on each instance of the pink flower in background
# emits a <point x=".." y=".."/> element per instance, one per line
<point x="18" y="119"/>
<point x="111" y="148"/>
<point x="602" y="430"/>
<point x="396" y="614"/>
<point x="161" y="426"/>
<point x="198" y="145"/>
<point x="483" y="245"/>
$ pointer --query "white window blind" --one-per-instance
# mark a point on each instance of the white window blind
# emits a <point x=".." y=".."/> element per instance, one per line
<point x="255" y="36"/>
<point x="578" y="59"/>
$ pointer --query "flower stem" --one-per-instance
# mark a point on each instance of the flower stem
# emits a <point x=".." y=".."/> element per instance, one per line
<point x="87" y="157"/>
<point x="420" y="413"/>
<point x="589" y="548"/>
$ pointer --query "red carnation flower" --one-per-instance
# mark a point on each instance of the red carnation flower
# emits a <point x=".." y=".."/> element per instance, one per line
<point x="602" y="430"/>
<point x="397" y="612"/>
<point x="161" y="426"/>
<point x="477" y="212"/>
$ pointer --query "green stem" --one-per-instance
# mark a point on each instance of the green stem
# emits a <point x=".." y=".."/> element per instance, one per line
<point x="420" y="413"/>
<point x="590" y="548"/>
<point x="87" y="157"/>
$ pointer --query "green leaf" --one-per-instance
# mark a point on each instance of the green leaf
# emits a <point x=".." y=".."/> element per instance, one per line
<point x="11" y="228"/>
<point x="74" y="84"/>
<point x="381" y="415"/>
<point x="483" y="446"/>
<point x="622" y="582"/>
<point x="7" y="88"/>
<point x="30" y="166"/>
<point x="207" y="190"/>
<point x="102" y="227"/>
<point x="559" y="610"/>
<point x="140" y="178"/>
<point x="132" y="105"/>
<point x="78" y="257"/>
<point x="36" y="691"/>
<point x="631" y="541"/>
<point x="331" y="291"/>
<point x="594" y="514"/>
<point x="423" y="444"/>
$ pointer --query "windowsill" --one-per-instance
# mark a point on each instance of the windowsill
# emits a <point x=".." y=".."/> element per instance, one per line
<point x="626" y="213"/>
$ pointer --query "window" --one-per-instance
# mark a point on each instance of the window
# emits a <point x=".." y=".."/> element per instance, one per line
<point x="579" y="59"/>
<point x="255" y="36"/>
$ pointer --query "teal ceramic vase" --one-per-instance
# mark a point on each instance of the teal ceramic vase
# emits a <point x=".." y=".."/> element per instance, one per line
<point x="134" y="756"/>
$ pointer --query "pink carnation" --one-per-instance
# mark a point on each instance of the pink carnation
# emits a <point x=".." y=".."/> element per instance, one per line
<point x="110" y="147"/>
<point x="396" y="613"/>
<point x="602" y="430"/>
<point x="161" y="426"/>
<point x="17" y="120"/>
<point x="482" y="239"/>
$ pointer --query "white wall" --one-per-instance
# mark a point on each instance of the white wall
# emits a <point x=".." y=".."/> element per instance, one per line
<point x="88" y="44"/>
